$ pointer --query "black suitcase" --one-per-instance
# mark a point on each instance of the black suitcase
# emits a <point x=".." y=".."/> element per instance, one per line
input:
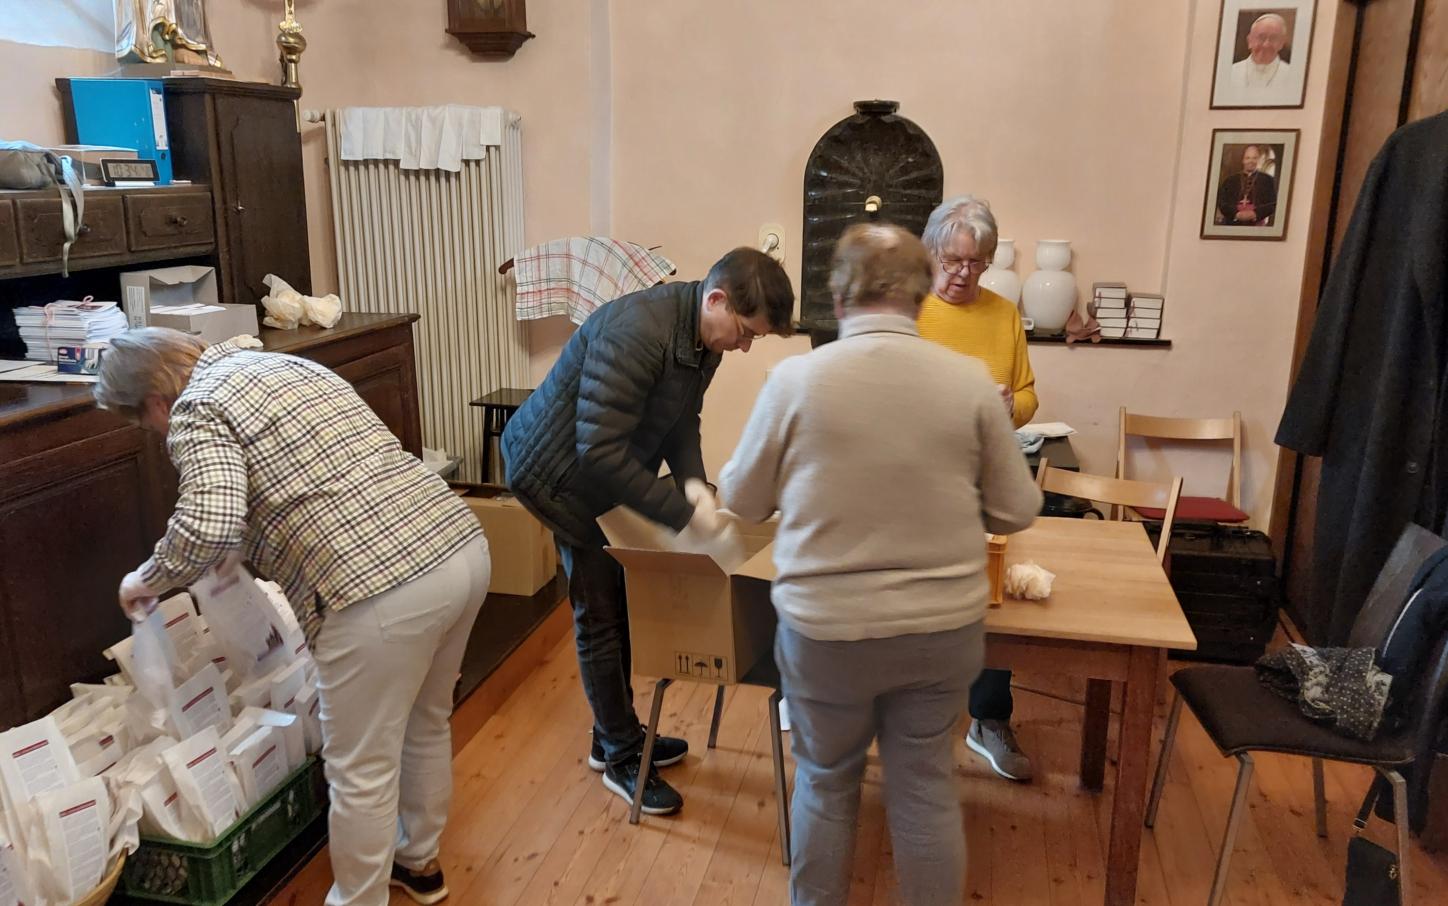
<point x="1226" y="580"/>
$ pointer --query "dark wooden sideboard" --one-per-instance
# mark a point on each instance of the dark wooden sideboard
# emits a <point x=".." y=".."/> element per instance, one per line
<point x="84" y="496"/>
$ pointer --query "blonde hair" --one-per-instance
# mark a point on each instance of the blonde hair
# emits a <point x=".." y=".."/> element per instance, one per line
<point x="139" y="363"/>
<point x="880" y="264"/>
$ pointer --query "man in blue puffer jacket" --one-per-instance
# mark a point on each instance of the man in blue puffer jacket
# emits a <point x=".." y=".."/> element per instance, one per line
<point x="623" y="398"/>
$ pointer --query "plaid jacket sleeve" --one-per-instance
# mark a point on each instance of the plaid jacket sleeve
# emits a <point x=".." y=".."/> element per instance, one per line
<point x="210" y="516"/>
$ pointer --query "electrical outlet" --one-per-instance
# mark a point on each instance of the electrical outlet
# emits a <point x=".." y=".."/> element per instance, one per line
<point x="771" y="241"/>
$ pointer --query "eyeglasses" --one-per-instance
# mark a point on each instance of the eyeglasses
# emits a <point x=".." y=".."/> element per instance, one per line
<point x="957" y="265"/>
<point x="745" y="331"/>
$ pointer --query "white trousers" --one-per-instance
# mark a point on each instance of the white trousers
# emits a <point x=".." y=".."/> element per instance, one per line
<point x="386" y="670"/>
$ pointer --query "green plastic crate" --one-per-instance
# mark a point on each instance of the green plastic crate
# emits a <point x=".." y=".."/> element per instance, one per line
<point x="172" y="871"/>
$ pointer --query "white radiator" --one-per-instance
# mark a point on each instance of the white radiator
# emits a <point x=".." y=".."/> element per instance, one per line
<point x="431" y="242"/>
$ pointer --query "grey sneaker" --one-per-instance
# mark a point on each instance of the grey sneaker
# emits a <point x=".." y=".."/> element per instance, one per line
<point x="994" y="741"/>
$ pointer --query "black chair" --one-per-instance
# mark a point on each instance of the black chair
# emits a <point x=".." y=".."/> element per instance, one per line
<point x="1242" y="716"/>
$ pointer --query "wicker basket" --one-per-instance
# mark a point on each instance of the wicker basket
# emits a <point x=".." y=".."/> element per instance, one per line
<point x="107" y="886"/>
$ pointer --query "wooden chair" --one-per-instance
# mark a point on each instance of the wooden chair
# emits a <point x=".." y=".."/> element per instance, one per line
<point x="1226" y="509"/>
<point x="1242" y="716"/>
<point x="1119" y="492"/>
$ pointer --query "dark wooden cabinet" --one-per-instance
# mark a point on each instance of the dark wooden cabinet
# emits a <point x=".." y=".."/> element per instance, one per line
<point x="242" y="139"/>
<point x="9" y="241"/>
<point x="165" y="220"/>
<point x="386" y="381"/>
<point x="84" y="496"/>
<point x="92" y="497"/>
<point x="102" y="229"/>
<point x="128" y="228"/>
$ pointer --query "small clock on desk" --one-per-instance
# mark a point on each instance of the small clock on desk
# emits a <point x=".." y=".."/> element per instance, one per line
<point x="119" y="171"/>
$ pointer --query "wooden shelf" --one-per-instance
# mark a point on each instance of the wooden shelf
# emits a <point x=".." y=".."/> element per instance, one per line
<point x="1060" y="340"/>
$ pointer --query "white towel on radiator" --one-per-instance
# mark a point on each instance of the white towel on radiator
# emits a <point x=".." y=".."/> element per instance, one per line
<point x="422" y="138"/>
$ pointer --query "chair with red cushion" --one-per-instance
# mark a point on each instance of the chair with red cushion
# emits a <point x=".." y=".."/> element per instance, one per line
<point x="1226" y="509"/>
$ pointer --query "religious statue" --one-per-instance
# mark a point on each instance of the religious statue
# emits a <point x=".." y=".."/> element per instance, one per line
<point x="164" y="31"/>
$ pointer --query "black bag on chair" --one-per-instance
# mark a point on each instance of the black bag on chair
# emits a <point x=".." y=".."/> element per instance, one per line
<point x="1372" y="871"/>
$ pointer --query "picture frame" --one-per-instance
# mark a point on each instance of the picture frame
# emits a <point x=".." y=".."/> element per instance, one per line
<point x="1264" y="48"/>
<point x="123" y="171"/>
<point x="1249" y="183"/>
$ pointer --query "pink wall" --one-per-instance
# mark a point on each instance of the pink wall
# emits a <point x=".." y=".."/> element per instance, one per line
<point x="374" y="53"/>
<point x="1071" y="118"/>
<point x="687" y="123"/>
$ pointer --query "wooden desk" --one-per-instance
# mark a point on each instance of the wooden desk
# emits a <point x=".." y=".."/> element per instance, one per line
<point x="1111" y="617"/>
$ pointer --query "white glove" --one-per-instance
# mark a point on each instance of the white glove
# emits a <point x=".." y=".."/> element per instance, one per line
<point x="707" y="532"/>
<point x="706" y="505"/>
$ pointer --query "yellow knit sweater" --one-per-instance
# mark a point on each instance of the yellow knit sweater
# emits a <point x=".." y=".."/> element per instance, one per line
<point x="989" y="329"/>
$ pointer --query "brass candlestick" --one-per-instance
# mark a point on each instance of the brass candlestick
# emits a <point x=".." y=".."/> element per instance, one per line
<point x="291" y="43"/>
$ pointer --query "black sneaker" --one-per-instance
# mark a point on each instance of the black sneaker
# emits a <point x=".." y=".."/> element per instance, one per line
<point x="659" y="797"/>
<point x="425" y="886"/>
<point x="667" y="750"/>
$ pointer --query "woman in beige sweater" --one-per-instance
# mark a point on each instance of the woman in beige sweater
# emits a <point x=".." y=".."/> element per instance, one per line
<point x="888" y="458"/>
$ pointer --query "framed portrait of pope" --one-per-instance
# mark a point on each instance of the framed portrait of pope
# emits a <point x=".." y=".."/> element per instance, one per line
<point x="1263" y="47"/>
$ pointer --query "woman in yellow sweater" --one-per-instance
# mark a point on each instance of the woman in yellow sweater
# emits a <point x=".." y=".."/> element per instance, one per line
<point x="961" y="315"/>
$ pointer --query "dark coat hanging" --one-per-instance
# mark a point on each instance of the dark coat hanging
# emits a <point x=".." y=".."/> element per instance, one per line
<point x="1369" y="397"/>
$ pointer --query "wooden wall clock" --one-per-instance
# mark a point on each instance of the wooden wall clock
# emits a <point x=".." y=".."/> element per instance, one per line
<point x="492" y="29"/>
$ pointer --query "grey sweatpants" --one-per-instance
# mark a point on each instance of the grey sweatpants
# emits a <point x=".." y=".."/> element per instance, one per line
<point x="909" y="692"/>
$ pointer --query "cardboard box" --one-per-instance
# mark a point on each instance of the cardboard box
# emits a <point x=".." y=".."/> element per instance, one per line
<point x="688" y="616"/>
<point x="184" y="298"/>
<point x="523" y="554"/>
<point x="995" y="567"/>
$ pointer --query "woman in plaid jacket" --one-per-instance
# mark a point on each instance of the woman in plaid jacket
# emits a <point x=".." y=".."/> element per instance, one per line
<point x="283" y="464"/>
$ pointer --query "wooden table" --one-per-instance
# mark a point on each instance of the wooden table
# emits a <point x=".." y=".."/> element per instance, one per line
<point x="1111" y="617"/>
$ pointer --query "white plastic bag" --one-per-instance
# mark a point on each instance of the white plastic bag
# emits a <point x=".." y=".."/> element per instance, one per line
<point x="153" y="659"/>
<point x="286" y="308"/>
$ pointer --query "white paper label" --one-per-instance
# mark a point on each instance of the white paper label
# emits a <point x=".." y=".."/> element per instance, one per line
<point x="158" y="119"/>
<point x="84" y="831"/>
<point x="136" y="307"/>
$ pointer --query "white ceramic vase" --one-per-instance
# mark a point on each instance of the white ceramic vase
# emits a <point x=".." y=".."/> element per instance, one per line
<point x="999" y="278"/>
<point x="1049" y="295"/>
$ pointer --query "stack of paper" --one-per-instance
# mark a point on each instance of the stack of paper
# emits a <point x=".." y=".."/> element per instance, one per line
<point x="65" y="323"/>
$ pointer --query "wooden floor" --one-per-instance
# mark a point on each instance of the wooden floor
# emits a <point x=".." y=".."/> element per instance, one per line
<point x="533" y="825"/>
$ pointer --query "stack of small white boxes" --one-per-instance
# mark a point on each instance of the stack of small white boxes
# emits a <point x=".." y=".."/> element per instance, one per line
<point x="201" y="724"/>
<point x="1126" y="315"/>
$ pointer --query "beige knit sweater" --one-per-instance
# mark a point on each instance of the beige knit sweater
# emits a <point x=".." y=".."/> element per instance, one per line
<point x="888" y="458"/>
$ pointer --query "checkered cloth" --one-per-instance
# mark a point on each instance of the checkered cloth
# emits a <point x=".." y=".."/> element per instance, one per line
<point x="280" y="457"/>
<point x="575" y="276"/>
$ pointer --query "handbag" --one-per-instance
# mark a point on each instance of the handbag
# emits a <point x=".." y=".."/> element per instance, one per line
<point x="1372" y="871"/>
<point x="28" y="167"/>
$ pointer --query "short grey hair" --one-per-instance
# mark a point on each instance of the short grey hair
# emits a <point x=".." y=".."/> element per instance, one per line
<point x="143" y="362"/>
<point x="961" y="212"/>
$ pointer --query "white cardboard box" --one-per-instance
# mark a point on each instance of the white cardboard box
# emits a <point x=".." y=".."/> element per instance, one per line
<point x="184" y="298"/>
<point x="87" y="159"/>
